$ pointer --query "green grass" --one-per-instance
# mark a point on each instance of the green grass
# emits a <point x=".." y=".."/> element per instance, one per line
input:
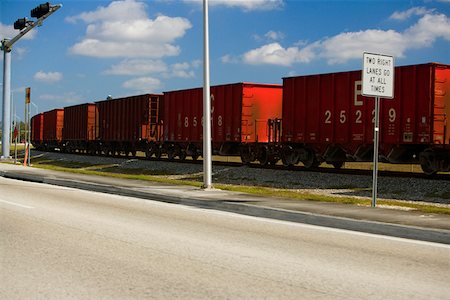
<point x="196" y="180"/>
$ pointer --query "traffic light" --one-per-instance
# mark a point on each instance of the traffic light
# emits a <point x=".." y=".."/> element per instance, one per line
<point x="40" y="10"/>
<point x="20" y="23"/>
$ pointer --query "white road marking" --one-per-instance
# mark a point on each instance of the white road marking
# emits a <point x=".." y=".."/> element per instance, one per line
<point x="16" y="204"/>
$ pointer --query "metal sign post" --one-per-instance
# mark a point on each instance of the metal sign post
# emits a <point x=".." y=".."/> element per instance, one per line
<point x="376" y="135"/>
<point x="28" y="101"/>
<point x="378" y="82"/>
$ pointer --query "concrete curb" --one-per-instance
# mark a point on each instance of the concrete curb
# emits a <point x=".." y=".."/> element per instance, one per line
<point x="367" y="226"/>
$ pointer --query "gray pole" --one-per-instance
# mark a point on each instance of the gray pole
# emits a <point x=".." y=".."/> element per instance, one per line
<point x="376" y="134"/>
<point x="207" y="164"/>
<point x="29" y="135"/>
<point x="6" y="101"/>
<point x="6" y="48"/>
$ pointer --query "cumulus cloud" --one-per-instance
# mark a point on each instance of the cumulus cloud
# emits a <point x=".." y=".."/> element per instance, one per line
<point x="48" y="77"/>
<point x="414" y="11"/>
<point x="246" y="5"/>
<point x="274" y="35"/>
<point x="270" y="36"/>
<point x="143" y="84"/>
<point x="275" y="54"/>
<point x="67" y="97"/>
<point x="123" y="29"/>
<point x="139" y="67"/>
<point x="350" y="45"/>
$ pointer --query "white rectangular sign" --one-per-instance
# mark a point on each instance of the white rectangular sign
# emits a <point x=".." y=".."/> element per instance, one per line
<point x="378" y="75"/>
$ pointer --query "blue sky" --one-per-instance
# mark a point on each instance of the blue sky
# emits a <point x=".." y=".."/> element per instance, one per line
<point x="90" y="49"/>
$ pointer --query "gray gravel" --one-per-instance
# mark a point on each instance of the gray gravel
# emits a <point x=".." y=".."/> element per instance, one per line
<point x="408" y="189"/>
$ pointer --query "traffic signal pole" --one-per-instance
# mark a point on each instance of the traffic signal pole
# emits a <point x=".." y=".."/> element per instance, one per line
<point x="41" y="12"/>
<point x="6" y="104"/>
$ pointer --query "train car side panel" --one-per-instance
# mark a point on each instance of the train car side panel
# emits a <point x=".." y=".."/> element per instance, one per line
<point x="53" y="127"/>
<point x="266" y="104"/>
<point x="37" y="129"/>
<point x="441" y="130"/>
<point x="126" y="119"/>
<point x="79" y="122"/>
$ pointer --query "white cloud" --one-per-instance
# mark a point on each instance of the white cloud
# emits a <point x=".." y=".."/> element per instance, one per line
<point x="48" y="77"/>
<point x="143" y="84"/>
<point x="275" y="54"/>
<point x="270" y="36"/>
<point x="230" y="59"/>
<point x="137" y="67"/>
<point x="427" y="30"/>
<point x="274" y="35"/>
<point x="68" y="97"/>
<point x="247" y="5"/>
<point x="123" y="29"/>
<point x="350" y="45"/>
<point x="414" y="11"/>
<point x="181" y="70"/>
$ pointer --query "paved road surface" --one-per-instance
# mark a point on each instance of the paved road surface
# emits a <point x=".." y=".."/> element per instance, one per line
<point x="61" y="243"/>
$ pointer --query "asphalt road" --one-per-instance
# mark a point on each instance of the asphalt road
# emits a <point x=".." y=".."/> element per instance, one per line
<point x="62" y="243"/>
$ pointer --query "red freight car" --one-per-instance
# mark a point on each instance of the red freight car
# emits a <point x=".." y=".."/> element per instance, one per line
<point x="80" y="128"/>
<point x="325" y="118"/>
<point x="240" y="115"/>
<point x="53" y="126"/>
<point x="129" y="124"/>
<point x="37" y="130"/>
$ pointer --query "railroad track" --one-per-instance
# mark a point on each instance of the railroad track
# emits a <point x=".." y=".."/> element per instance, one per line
<point x="300" y="168"/>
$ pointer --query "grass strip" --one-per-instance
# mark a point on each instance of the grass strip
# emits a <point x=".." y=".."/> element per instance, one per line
<point x="159" y="176"/>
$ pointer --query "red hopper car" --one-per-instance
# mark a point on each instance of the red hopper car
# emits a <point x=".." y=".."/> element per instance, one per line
<point x="37" y="130"/>
<point x="53" y="127"/>
<point x="325" y="118"/>
<point x="243" y="116"/>
<point x="80" y="128"/>
<point x="129" y="124"/>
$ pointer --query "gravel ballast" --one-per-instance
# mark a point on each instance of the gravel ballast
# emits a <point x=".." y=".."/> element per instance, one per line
<point x="345" y="185"/>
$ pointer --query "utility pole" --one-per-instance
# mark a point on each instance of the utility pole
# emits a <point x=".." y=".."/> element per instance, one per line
<point x="207" y="153"/>
<point x="41" y="12"/>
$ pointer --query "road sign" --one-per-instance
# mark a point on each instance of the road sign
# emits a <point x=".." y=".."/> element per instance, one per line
<point x="378" y="75"/>
<point x="27" y="95"/>
<point x="378" y="82"/>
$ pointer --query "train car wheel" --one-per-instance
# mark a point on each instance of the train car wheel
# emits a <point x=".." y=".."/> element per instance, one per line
<point x="245" y="154"/>
<point x="426" y="162"/>
<point x="263" y="156"/>
<point x="311" y="160"/>
<point x="157" y="152"/>
<point x="171" y="153"/>
<point x="182" y="155"/>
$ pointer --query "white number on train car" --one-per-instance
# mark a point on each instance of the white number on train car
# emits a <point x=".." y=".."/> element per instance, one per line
<point x="342" y="117"/>
<point x="392" y="115"/>
<point x="327" y="117"/>
<point x="358" y="117"/>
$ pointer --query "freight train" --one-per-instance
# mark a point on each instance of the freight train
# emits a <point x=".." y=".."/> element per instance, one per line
<point x="309" y="119"/>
